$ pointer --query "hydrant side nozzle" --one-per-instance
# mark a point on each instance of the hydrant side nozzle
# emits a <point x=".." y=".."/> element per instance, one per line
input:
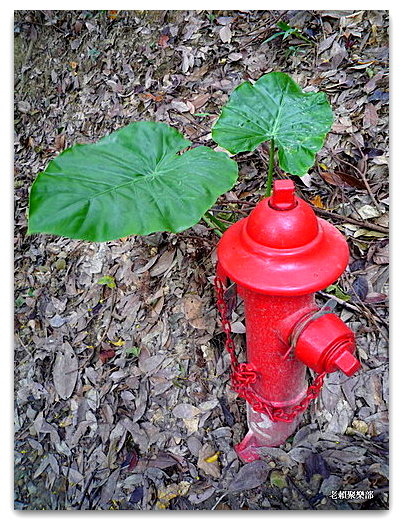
<point x="326" y="344"/>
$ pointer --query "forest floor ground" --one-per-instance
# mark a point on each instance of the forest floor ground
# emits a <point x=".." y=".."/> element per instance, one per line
<point x="152" y="421"/>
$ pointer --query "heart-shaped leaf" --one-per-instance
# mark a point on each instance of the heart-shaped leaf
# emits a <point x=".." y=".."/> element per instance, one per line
<point x="275" y="108"/>
<point x="130" y="182"/>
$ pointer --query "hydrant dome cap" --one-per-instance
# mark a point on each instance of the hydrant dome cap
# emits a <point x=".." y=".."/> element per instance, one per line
<point x="283" y="248"/>
<point x="282" y="228"/>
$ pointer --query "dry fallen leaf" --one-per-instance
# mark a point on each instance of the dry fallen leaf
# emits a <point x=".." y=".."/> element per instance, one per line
<point x="368" y="211"/>
<point x="250" y="476"/>
<point x="163" y="263"/>
<point x="317" y="201"/>
<point x="225" y="34"/>
<point x="165" y="495"/>
<point x="193" y="309"/>
<point x="341" y="179"/>
<point x="105" y="355"/>
<point x="201" y="100"/>
<point x="370" y="116"/>
<point x="185" y="411"/>
<point x="208" y="462"/>
<point x="212" y="458"/>
<point x="238" y="327"/>
<point x="163" y="41"/>
<point x="191" y="424"/>
<point x="382" y="255"/>
<point x="60" y="142"/>
<point x="278" y="479"/>
<point x="118" y="343"/>
<point x="150" y="364"/>
<point x="65" y="371"/>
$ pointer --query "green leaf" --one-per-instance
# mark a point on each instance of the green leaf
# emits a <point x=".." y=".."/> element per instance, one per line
<point x="19" y="301"/>
<point x="275" y="108"/>
<point x="107" y="280"/>
<point x="132" y="352"/>
<point x="130" y="182"/>
<point x="284" y="26"/>
<point x="278" y="479"/>
<point x="338" y="292"/>
<point x="275" y="35"/>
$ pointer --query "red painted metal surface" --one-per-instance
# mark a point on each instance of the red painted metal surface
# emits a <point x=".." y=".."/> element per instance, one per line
<point x="279" y="256"/>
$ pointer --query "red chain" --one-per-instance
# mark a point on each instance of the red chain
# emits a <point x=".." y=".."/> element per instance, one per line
<point x="242" y="374"/>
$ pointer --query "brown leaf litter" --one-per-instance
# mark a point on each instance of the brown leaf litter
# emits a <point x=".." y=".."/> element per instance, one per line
<point x="122" y="398"/>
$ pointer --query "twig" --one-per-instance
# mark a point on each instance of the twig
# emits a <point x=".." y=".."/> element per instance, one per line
<point x="229" y="211"/>
<point x="291" y="481"/>
<point x="196" y="123"/>
<point x="345" y="304"/>
<point x="365" y="309"/>
<point x="364" y="179"/>
<point x="196" y="237"/>
<point x="361" y="223"/>
<point x="369" y="311"/>
<point x="219" y="500"/>
<point x="22" y="344"/>
<point x="264" y="30"/>
<point x="85" y="490"/>
<point x="242" y="202"/>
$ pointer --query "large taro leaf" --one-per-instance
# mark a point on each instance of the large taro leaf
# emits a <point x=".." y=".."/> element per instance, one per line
<point x="275" y="108"/>
<point x="130" y="182"/>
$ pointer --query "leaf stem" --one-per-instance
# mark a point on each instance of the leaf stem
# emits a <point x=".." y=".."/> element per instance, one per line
<point x="212" y="221"/>
<point x="270" y="170"/>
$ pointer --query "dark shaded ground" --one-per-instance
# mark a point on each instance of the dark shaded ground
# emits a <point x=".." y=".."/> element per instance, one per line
<point x="138" y="427"/>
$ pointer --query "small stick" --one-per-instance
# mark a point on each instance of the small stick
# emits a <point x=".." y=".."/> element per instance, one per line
<point x="364" y="179"/>
<point x="340" y="301"/>
<point x="361" y="223"/>
<point x="219" y="500"/>
<point x="367" y="225"/>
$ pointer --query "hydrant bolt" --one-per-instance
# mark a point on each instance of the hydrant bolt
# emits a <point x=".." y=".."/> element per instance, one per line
<point x="284" y="197"/>
<point x="347" y="363"/>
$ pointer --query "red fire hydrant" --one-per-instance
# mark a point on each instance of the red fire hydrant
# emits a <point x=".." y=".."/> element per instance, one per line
<point x="278" y="257"/>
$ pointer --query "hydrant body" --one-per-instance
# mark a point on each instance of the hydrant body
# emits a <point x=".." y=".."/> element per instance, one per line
<point x="278" y="257"/>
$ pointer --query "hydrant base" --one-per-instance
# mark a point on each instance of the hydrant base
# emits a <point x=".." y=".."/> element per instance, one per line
<point x="247" y="450"/>
<point x="263" y="433"/>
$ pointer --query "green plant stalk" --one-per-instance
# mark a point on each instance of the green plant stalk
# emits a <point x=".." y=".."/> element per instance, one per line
<point x="270" y="170"/>
<point x="212" y="221"/>
<point x="304" y="38"/>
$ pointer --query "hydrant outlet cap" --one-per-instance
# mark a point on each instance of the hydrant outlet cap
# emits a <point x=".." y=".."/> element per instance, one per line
<point x="282" y="247"/>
